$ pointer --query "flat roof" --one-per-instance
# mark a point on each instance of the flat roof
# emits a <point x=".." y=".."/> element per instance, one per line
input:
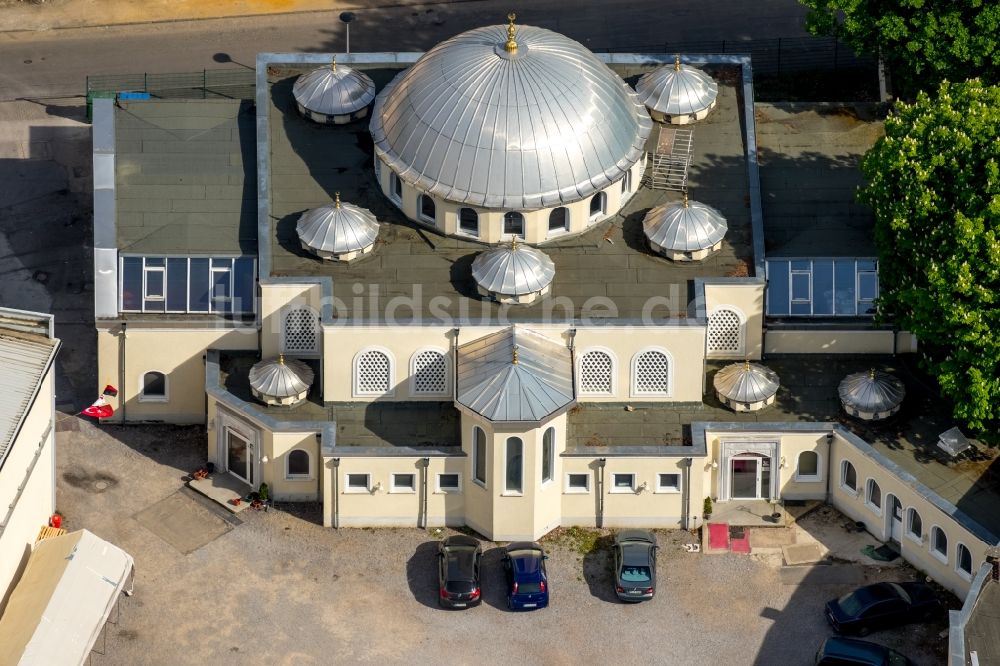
<point x="185" y="176"/>
<point x="310" y="162"/>
<point x="982" y="633"/>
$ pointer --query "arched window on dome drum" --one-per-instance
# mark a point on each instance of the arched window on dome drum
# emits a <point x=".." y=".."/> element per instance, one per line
<point x="559" y="220"/>
<point x="468" y="221"/>
<point x="513" y="224"/>
<point x="598" y="205"/>
<point x="627" y="182"/>
<point x="428" y="212"/>
<point x="397" y="187"/>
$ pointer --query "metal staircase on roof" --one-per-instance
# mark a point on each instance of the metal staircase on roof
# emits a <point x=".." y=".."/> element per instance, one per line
<point x="669" y="162"/>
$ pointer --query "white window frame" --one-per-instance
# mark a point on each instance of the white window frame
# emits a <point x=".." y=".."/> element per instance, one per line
<point x="660" y="488"/>
<point x="877" y="510"/>
<point x="604" y="205"/>
<point x="633" y="375"/>
<point x="349" y="489"/>
<point x="298" y="477"/>
<point x="967" y="575"/>
<point x="356" y="391"/>
<point x="741" y="343"/>
<point x="559" y="231"/>
<point x="479" y="223"/>
<point x="506" y="458"/>
<point x="486" y="458"/>
<point x="916" y="538"/>
<point x="809" y="478"/>
<point x="614" y="371"/>
<point x="394" y="181"/>
<point x="615" y="488"/>
<point x="162" y="270"/>
<point x="843" y="478"/>
<point x="397" y="489"/>
<point x="420" y="209"/>
<point x="153" y="398"/>
<point x="513" y="234"/>
<point x="938" y="555"/>
<point x="448" y="490"/>
<point x="570" y="490"/>
<point x="283" y="333"/>
<point x="626" y="183"/>
<point x="413" y="373"/>
<point x="551" y="445"/>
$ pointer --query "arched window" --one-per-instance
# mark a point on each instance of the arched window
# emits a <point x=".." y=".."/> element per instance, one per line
<point x="559" y="220"/>
<point x="300" y="332"/>
<point x="397" y="187"/>
<point x="373" y="373"/>
<point x="548" y="453"/>
<point x="479" y="456"/>
<point x="873" y="496"/>
<point x="429" y="372"/>
<point x="627" y="182"/>
<point x="939" y="543"/>
<point x="651" y="373"/>
<point x="513" y="224"/>
<point x="153" y="387"/>
<point x="428" y="212"/>
<point x="514" y="472"/>
<point x="597" y="372"/>
<point x="725" y="333"/>
<point x="848" y="476"/>
<point x="914" y="525"/>
<point x="297" y="464"/>
<point x="598" y="205"/>
<point x="468" y="221"/>
<point x="963" y="561"/>
<point x="807" y="468"/>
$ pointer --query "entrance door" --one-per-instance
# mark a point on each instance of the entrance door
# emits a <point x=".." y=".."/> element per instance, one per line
<point x="895" y="519"/>
<point x="745" y="477"/>
<point x="239" y="458"/>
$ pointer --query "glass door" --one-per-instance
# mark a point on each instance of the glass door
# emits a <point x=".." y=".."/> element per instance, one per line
<point x="239" y="460"/>
<point x="745" y="478"/>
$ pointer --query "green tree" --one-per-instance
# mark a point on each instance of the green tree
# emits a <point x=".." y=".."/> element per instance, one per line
<point x="934" y="186"/>
<point x="923" y="41"/>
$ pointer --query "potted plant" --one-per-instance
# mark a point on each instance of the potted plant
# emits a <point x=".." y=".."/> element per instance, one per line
<point x="707" y="508"/>
<point x="263" y="492"/>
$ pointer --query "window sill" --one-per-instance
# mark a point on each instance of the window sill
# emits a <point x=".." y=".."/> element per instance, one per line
<point x="808" y="479"/>
<point x="964" y="575"/>
<point x="481" y="484"/>
<point x="622" y="491"/>
<point x="357" y="491"/>
<point x="919" y="540"/>
<point x="153" y="399"/>
<point x="448" y="491"/>
<point x="576" y="492"/>
<point x="299" y="478"/>
<point x="511" y="493"/>
<point x="402" y="491"/>
<point x="667" y="491"/>
<point x="428" y="220"/>
<point x="874" y="509"/>
<point x="847" y="490"/>
<point x="943" y="559"/>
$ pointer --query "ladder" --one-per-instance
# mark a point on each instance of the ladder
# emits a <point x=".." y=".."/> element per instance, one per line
<point x="668" y="163"/>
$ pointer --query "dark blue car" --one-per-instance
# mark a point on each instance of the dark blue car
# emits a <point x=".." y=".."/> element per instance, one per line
<point x="527" y="584"/>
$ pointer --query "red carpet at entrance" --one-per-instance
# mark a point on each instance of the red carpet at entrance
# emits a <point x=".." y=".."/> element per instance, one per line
<point x="718" y="536"/>
<point x="741" y="545"/>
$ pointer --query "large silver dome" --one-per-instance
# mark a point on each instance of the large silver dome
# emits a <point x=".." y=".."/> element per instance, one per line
<point x="334" y="91"/>
<point x="543" y="124"/>
<point x="871" y="395"/>
<point x="746" y="387"/>
<point x="513" y="273"/>
<point x="338" y="230"/>
<point x="278" y="381"/>
<point x="686" y="226"/>
<point x="678" y="91"/>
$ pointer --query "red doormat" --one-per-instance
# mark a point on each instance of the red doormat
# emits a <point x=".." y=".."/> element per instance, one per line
<point x="741" y="545"/>
<point x="718" y="536"/>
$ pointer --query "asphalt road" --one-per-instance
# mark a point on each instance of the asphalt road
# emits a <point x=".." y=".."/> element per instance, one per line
<point x="55" y="63"/>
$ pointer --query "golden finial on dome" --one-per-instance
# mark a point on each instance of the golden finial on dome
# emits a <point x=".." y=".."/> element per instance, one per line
<point x="511" y="45"/>
<point x="677" y="63"/>
<point x="686" y="204"/>
<point x="281" y="359"/>
<point x="333" y="65"/>
<point x="871" y="374"/>
<point x="514" y="360"/>
<point x="337" y="199"/>
<point x="513" y="243"/>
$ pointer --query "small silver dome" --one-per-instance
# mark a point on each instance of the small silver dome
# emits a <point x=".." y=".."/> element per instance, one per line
<point x="513" y="273"/>
<point x="871" y="395"/>
<point x="685" y="230"/>
<point x="677" y="93"/>
<point x="339" y="231"/>
<point x="334" y="94"/>
<point x="746" y="387"/>
<point x="278" y="381"/>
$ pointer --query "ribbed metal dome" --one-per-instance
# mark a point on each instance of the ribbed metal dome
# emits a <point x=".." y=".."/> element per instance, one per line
<point x="334" y="91"/>
<point x="686" y="226"/>
<point x="280" y="381"/>
<point x="872" y="394"/>
<point x="746" y="383"/>
<point x="544" y="124"/>
<point x="513" y="270"/>
<point x="677" y="89"/>
<point x="337" y="229"/>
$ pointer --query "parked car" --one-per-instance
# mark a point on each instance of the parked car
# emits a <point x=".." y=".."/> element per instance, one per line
<point x="634" y="554"/>
<point x="881" y="605"/>
<point x="838" y="651"/>
<point x="524" y="568"/>
<point x="459" y="559"/>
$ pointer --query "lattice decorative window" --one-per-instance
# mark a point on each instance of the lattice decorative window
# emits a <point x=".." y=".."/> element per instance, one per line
<point x="725" y="332"/>
<point x="597" y="373"/>
<point x="651" y="373"/>
<point x="300" y="332"/>
<point x="372" y="373"/>
<point x="429" y="373"/>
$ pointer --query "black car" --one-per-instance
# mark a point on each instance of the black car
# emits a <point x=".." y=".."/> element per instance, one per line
<point x="635" y="565"/>
<point x="881" y="605"/>
<point x="459" y="559"/>
<point x="527" y="582"/>
<point x="837" y="651"/>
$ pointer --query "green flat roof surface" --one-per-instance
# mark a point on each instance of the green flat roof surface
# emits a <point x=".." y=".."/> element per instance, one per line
<point x="185" y="177"/>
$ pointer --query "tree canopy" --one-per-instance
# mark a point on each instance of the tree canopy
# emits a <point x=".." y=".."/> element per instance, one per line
<point x="924" y="41"/>
<point x="934" y="186"/>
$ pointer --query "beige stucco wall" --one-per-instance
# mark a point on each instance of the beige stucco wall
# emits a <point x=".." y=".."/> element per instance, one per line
<point x="276" y="447"/>
<point x="275" y="301"/>
<point x="789" y="447"/>
<point x="179" y="353"/>
<point x="36" y="503"/>
<point x="747" y="300"/>
<point x="828" y="342"/>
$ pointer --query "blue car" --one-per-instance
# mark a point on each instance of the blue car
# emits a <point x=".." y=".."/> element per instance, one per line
<point x="527" y="583"/>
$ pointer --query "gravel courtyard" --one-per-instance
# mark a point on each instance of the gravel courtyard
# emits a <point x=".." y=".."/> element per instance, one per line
<point x="278" y="588"/>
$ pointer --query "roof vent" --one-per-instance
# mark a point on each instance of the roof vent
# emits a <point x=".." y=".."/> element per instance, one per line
<point x="338" y="231"/>
<point x="280" y="382"/>
<point x="677" y="94"/>
<point x="746" y="387"/>
<point x="513" y="273"/>
<point x="684" y="230"/>
<point x="334" y="95"/>
<point x="871" y="395"/>
<point x="953" y="442"/>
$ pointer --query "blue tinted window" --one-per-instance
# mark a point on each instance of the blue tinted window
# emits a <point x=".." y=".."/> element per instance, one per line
<point x="177" y="285"/>
<point x="822" y="296"/>
<point x="198" y="286"/>
<point x="843" y="277"/>
<point x="800" y="286"/>
<point x="131" y="284"/>
<point x="221" y="286"/>
<point x="243" y="285"/>
<point x="777" y="287"/>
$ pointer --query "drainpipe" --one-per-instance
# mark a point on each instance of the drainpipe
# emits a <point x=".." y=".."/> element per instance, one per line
<point x="121" y="371"/>
<point x="829" y="463"/>
<point x="336" y="490"/>
<point x="601" y="462"/>
<point x="686" y="494"/>
<point x="423" y="493"/>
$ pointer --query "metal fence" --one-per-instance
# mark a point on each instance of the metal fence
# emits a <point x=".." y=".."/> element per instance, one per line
<point x="231" y="83"/>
